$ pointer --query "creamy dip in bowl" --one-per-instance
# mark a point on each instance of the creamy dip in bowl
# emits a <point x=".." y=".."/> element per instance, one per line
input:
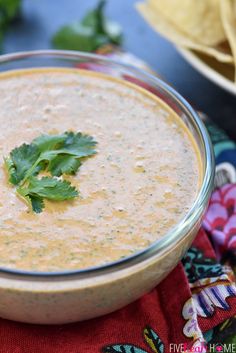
<point x="141" y="196"/>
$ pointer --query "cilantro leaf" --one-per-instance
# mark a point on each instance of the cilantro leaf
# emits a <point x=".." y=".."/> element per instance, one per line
<point x="19" y="162"/>
<point x="49" y="142"/>
<point x="64" y="165"/>
<point x="89" y="34"/>
<point x="79" y="144"/>
<point x="50" y="188"/>
<point x="70" y="146"/>
<point x="57" y="154"/>
<point x="46" y="188"/>
<point x="37" y="203"/>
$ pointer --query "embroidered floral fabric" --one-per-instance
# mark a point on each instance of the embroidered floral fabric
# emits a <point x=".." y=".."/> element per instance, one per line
<point x="194" y="308"/>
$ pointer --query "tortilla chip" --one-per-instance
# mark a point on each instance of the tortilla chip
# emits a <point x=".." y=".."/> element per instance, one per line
<point x="168" y="30"/>
<point x="228" y="13"/>
<point x="198" y="19"/>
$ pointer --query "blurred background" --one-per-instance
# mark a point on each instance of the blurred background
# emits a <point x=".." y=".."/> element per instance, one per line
<point x="40" y="19"/>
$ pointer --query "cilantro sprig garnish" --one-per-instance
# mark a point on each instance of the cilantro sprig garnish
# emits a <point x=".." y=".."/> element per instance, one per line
<point x="55" y="154"/>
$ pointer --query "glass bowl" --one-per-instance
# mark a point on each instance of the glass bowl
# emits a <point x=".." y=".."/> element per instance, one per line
<point x="68" y="296"/>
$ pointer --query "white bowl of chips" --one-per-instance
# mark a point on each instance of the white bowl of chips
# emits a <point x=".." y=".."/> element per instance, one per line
<point x="204" y="31"/>
<point x="221" y="74"/>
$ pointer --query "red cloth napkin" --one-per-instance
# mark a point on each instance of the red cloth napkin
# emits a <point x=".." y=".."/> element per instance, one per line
<point x="171" y="315"/>
<point x="183" y="313"/>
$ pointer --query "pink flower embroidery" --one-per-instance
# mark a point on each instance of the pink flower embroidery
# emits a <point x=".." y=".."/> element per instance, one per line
<point x="220" y="219"/>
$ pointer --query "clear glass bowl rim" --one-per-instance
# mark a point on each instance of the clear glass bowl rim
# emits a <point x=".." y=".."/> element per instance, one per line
<point x="177" y="232"/>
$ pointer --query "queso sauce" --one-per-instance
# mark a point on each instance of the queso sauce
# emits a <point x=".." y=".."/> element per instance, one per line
<point x="141" y="182"/>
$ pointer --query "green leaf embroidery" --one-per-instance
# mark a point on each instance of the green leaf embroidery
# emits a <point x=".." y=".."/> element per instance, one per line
<point x="231" y="340"/>
<point x="151" y="337"/>
<point x="153" y="340"/>
<point x="126" y="348"/>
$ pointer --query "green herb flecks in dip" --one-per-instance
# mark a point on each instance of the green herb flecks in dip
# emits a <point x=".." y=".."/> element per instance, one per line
<point x="142" y="181"/>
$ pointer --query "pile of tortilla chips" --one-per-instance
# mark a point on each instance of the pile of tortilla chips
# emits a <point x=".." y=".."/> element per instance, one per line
<point x="206" y="26"/>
